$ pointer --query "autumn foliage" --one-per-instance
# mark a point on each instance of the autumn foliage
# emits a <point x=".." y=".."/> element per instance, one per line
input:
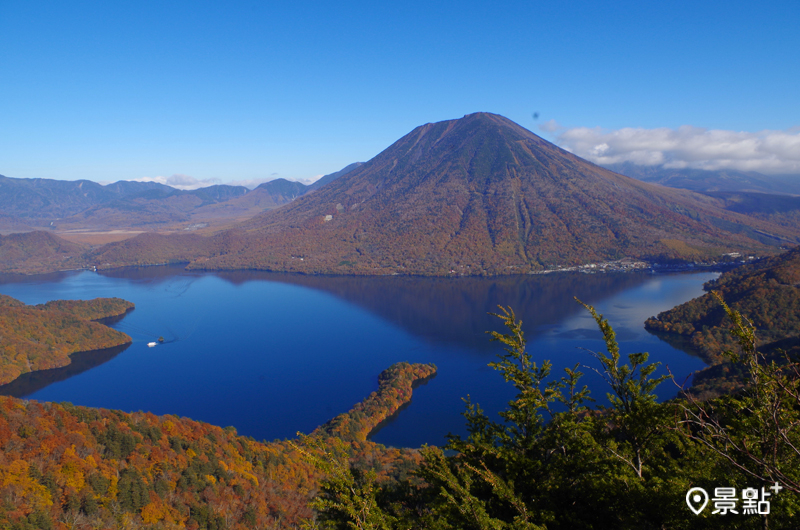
<point x="43" y="336"/>
<point x="394" y="390"/>
<point x="63" y="466"/>
<point x="765" y="292"/>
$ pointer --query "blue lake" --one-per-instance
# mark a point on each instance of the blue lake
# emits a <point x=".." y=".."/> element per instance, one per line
<point x="273" y="354"/>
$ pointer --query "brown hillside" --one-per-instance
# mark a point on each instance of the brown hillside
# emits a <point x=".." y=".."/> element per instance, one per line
<point x="479" y="195"/>
<point x="151" y="249"/>
<point x="484" y="195"/>
<point x="43" y="336"/>
<point x="38" y="252"/>
<point x="766" y="292"/>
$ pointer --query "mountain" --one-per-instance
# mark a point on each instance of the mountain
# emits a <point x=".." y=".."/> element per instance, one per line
<point x="38" y="251"/>
<point x="282" y="190"/>
<point x="783" y="210"/>
<point x="49" y="199"/>
<point x="333" y="176"/>
<point x="274" y="193"/>
<point x="266" y="196"/>
<point x="83" y="204"/>
<point x="149" y="207"/>
<point x="482" y="195"/>
<point x="727" y="180"/>
<point x="773" y="198"/>
<point x="72" y="208"/>
<point x="130" y="187"/>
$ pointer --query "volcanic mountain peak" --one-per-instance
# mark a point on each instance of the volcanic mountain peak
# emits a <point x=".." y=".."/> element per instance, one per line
<point x="451" y="161"/>
<point x="482" y="194"/>
<point x="472" y="154"/>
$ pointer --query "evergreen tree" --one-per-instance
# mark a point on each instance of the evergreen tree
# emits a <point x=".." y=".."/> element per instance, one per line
<point x="554" y="462"/>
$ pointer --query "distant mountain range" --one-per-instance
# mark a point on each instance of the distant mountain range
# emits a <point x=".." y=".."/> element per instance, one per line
<point x="266" y="196"/>
<point x="478" y="195"/>
<point x="774" y="198"/>
<point x="727" y="180"/>
<point x="85" y="205"/>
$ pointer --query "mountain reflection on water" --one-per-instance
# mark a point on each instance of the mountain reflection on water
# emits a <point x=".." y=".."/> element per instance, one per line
<point x="273" y="353"/>
<point x="454" y="310"/>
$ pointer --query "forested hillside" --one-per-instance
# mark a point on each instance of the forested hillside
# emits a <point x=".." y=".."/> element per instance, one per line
<point x="73" y="208"/>
<point x="63" y="466"/>
<point x="766" y="292"/>
<point x="39" y="251"/>
<point x="43" y="336"/>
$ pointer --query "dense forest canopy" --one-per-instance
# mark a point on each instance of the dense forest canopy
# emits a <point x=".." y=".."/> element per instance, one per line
<point x="43" y="336"/>
<point x="63" y="466"/>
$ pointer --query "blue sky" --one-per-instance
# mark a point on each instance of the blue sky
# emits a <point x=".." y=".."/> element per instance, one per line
<point x="237" y="91"/>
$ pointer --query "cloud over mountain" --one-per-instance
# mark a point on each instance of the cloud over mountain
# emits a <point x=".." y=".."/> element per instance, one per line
<point x="181" y="182"/>
<point x="187" y="182"/>
<point x="769" y="152"/>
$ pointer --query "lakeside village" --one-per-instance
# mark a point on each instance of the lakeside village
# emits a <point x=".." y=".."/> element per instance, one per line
<point x="731" y="260"/>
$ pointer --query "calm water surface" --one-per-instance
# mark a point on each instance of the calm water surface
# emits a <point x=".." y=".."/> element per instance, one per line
<point x="273" y="354"/>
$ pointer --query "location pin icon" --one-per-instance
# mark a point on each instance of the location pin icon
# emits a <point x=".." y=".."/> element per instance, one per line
<point x="697" y="499"/>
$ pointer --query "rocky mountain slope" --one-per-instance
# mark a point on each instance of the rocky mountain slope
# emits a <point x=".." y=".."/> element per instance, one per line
<point x="483" y="195"/>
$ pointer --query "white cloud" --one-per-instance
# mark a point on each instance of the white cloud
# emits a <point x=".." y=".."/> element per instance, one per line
<point x="310" y="180"/>
<point x="181" y="182"/>
<point x="550" y="126"/>
<point x="249" y="183"/>
<point x="770" y="152"/>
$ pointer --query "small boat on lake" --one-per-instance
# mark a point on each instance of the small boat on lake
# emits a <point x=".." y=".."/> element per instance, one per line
<point x="151" y="344"/>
